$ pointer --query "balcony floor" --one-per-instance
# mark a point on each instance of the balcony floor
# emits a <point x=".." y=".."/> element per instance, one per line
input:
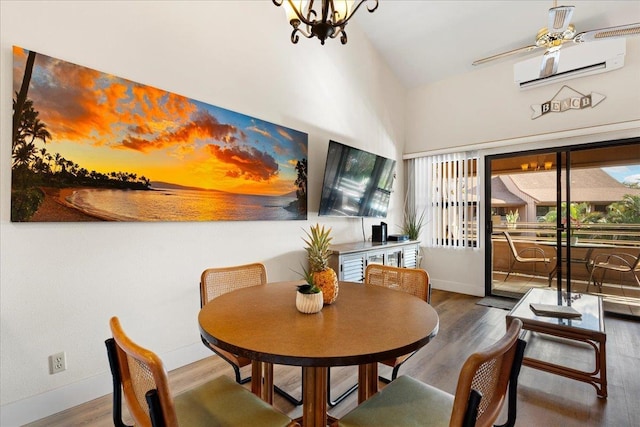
<point x="618" y="299"/>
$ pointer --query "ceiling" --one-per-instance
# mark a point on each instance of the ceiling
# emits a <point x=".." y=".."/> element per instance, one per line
<point x="424" y="41"/>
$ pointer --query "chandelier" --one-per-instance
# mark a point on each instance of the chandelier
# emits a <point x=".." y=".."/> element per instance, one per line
<point x="327" y="20"/>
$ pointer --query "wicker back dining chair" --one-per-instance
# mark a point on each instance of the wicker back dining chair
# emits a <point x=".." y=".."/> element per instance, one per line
<point x="414" y="281"/>
<point x="140" y="375"/>
<point x="218" y="281"/>
<point x="411" y="280"/>
<point x="484" y="380"/>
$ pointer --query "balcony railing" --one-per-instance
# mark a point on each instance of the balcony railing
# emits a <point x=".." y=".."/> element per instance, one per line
<point x="587" y="241"/>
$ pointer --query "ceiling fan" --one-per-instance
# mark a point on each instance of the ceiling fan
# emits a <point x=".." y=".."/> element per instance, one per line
<point x="560" y="31"/>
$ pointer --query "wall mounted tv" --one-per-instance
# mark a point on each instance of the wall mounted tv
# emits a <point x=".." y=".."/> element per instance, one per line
<point x="356" y="183"/>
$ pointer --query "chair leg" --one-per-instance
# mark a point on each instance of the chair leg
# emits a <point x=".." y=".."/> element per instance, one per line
<point x="513" y="384"/>
<point x="287" y="396"/>
<point x="510" y="268"/>
<point x="117" y="383"/>
<point x="332" y="402"/>
<point x="281" y="392"/>
<point x="394" y="374"/>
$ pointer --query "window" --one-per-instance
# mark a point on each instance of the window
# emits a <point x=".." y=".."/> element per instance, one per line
<point x="445" y="189"/>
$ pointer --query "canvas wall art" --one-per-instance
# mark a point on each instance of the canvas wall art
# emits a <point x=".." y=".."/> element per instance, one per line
<point x="90" y="146"/>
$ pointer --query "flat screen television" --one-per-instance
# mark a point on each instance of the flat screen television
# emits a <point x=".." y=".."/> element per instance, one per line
<point x="356" y="183"/>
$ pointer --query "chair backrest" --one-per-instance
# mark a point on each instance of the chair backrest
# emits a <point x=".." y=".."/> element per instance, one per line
<point x="488" y="373"/>
<point x="414" y="281"/>
<point x="512" y="245"/>
<point x="218" y="281"/>
<point x="142" y="372"/>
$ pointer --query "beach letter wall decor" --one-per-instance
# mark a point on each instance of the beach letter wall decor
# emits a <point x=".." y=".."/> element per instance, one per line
<point x="87" y="145"/>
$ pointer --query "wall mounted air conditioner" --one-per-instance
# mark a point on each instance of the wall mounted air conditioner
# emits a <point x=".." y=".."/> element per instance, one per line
<point x="575" y="61"/>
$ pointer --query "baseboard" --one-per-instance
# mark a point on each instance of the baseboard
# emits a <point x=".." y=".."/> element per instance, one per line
<point x="458" y="287"/>
<point x="51" y="402"/>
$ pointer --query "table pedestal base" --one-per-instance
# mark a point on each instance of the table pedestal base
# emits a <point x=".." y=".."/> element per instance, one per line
<point x="314" y="396"/>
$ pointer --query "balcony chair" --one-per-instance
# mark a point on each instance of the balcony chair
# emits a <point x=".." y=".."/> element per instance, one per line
<point x="414" y="281"/>
<point x="482" y="388"/>
<point x="218" y="281"/>
<point x="140" y="375"/>
<point x="530" y="254"/>
<point x="621" y="263"/>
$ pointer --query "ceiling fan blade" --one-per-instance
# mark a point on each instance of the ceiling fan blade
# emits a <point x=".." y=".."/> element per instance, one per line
<point x="606" y="33"/>
<point x="559" y="18"/>
<point x="504" y="54"/>
<point x="549" y="64"/>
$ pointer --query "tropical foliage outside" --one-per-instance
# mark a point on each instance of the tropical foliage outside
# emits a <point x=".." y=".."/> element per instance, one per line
<point x="581" y="217"/>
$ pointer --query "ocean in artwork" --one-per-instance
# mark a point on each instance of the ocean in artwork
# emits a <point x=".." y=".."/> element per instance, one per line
<point x="181" y="205"/>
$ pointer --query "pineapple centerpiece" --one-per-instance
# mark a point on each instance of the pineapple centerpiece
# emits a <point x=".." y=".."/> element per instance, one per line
<point x="318" y="253"/>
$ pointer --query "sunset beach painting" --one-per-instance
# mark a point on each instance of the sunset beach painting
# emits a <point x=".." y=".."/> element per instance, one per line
<point x="90" y="146"/>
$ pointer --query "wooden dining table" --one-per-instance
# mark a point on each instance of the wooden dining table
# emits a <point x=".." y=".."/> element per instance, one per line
<point x="365" y="325"/>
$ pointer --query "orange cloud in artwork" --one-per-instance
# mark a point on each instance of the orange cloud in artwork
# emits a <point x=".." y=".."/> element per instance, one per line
<point x="202" y="126"/>
<point x="250" y="164"/>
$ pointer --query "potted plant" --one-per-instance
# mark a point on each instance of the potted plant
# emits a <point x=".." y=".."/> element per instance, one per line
<point x="324" y="277"/>
<point x="413" y="223"/>
<point x="309" y="296"/>
<point x="512" y="217"/>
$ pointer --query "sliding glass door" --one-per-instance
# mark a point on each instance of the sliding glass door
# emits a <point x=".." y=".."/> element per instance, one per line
<point x="556" y="213"/>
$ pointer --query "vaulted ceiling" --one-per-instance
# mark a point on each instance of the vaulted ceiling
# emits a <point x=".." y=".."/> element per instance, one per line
<point x="424" y="41"/>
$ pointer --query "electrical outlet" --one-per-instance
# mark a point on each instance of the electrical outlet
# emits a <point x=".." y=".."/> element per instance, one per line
<point x="57" y="362"/>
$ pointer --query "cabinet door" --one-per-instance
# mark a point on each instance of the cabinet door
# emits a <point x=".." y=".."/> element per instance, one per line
<point x="393" y="258"/>
<point x="352" y="268"/>
<point x="376" y="257"/>
<point x="410" y="256"/>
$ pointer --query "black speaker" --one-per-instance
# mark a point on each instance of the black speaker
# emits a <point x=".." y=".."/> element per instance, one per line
<point x="379" y="233"/>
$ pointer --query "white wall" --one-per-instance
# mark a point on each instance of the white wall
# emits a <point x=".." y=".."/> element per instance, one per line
<point x="60" y="282"/>
<point x="486" y="111"/>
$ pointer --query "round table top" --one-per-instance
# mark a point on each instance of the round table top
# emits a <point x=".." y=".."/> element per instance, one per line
<point x="366" y="324"/>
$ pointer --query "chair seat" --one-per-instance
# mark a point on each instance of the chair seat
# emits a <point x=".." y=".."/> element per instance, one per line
<point x="404" y="402"/>
<point x="222" y="402"/>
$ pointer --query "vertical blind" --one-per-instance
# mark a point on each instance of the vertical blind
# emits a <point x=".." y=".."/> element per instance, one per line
<point x="445" y="187"/>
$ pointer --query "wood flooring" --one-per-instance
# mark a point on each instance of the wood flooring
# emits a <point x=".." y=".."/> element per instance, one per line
<point x="543" y="399"/>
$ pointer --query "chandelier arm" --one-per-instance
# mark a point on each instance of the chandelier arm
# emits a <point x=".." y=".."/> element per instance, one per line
<point x="343" y="35"/>
<point x="295" y="37"/>
<point x="355" y="9"/>
<point x="299" y="13"/>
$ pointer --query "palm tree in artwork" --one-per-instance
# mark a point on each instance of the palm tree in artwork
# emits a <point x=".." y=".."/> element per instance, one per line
<point x="24" y="154"/>
<point x="38" y="130"/>
<point x="301" y="182"/>
<point x="21" y="97"/>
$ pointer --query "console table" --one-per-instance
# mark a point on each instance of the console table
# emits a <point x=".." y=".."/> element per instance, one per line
<point x="349" y="260"/>
<point x="589" y="328"/>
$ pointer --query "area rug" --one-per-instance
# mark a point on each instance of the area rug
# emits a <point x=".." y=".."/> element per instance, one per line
<point x="497" y="302"/>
